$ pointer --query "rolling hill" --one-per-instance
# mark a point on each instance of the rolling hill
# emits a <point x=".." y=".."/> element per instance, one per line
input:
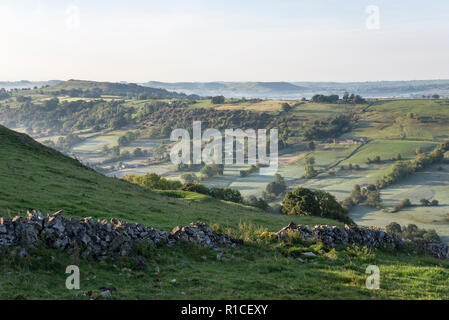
<point x="34" y="176"/>
<point x="115" y="89"/>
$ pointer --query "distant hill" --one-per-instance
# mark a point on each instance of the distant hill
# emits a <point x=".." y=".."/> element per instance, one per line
<point x="22" y="84"/>
<point x="295" y="90"/>
<point x="116" y="89"/>
<point x="229" y="89"/>
<point x="272" y="90"/>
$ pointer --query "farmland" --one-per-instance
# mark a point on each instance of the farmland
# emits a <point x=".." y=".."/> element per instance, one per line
<point x="380" y="128"/>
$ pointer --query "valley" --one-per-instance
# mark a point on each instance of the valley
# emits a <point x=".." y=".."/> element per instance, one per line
<point x="382" y="128"/>
<point x="116" y="134"/>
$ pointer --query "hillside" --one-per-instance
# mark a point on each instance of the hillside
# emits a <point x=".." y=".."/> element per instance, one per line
<point x="37" y="177"/>
<point x="113" y="89"/>
<point x="34" y="176"/>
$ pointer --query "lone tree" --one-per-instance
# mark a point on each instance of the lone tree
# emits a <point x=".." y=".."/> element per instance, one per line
<point x="306" y="202"/>
<point x="286" y="107"/>
<point x="301" y="202"/>
<point x="218" y="99"/>
<point x="310" y="171"/>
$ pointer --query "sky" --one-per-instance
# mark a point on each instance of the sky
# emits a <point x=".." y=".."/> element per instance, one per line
<point x="224" y="40"/>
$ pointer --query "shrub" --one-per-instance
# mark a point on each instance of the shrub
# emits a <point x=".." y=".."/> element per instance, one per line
<point x="211" y="170"/>
<point x="189" y="177"/>
<point x="195" y="187"/>
<point x="394" y="228"/>
<point x="274" y="188"/>
<point x="434" y="203"/>
<point x="403" y="204"/>
<point x="227" y="194"/>
<point x="154" y="181"/>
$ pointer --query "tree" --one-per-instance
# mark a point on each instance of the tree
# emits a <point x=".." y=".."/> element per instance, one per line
<point x="434" y="203"/>
<point x="305" y="202"/>
<point x="138" y="152"/>
<point x="262" y="204"/>
<point x="227" y="194"/>
<point x="286" y="107"/>
<point x="118" y="122"/>
<point x="195" y="187"/>
<point x="218" y="100"/>
<point x="251" y="200"/>
<point x="358" y="99"/>
<point x="373" y="198"/>
<point x="154" y="181"/>
<point x="211" y="170"/>
<point x="105" y="149"/>
<point x="279" y="179"/>
<point x="301" y="202"/>
<point x="276" y="187"/>
<point x="394" y="228"/>
<point x="123" y="141"/>
<point x="309" y="170"/>
<point x="311" y="145"/>
<point x="189" y="177"/>
<point x="115" y="151"/>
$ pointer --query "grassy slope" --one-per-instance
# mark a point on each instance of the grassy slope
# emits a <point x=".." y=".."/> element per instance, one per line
<point x="110" y="88"/>
<point x="387" y="119"/>
<point x="32" y="176"/>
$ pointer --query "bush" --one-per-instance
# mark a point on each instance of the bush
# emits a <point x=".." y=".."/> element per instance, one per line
<point x="226" y="194"/>
<point x="211" y="170"/>
<point x="154" y="181"/>
<point x="404" y="204"/>
<point x="257" y="202"/>
<point x="189" y="177"/>
<point x="195" y="187"/>
<point x="274" y="188"/>
<point x="434" y="203"/>
<point x="394" y="228"/>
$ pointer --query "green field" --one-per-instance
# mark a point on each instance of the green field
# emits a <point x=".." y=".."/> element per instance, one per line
<point x="389" y="149"/>
<point x="33" y="176"/>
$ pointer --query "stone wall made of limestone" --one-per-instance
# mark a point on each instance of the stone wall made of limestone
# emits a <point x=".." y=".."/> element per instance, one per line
<point x="371" y="237"/>
<point x="100" y="239"/>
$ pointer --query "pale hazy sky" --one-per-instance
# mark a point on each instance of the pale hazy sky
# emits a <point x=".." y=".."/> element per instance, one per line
<point x="211" y="40"/>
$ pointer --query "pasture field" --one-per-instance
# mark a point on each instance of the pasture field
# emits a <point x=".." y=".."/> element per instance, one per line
<point x="392" y="127"/>
<point x="389" y="149"/>
<point x="262" y="106"/>
<point x="33" y="176"/>
<point x="405" y="119"/>
<point x="430" y="184"/>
